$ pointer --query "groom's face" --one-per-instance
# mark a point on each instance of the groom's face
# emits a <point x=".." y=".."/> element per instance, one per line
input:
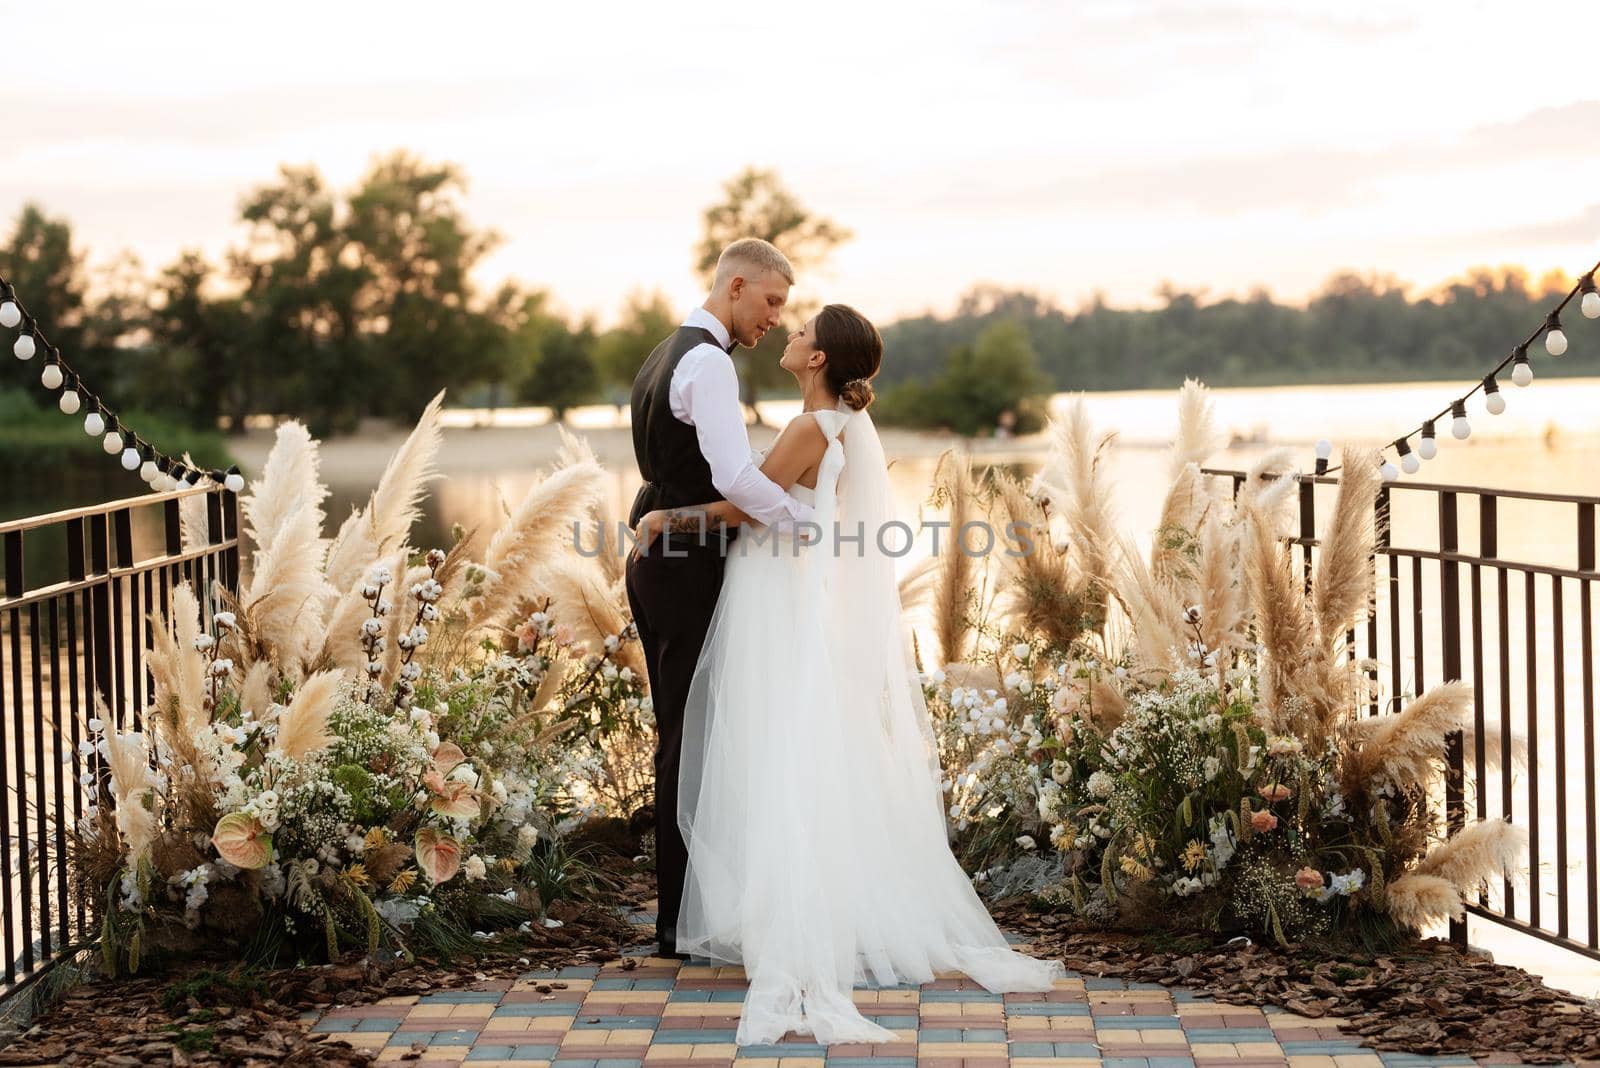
<point x="758" y="306"/>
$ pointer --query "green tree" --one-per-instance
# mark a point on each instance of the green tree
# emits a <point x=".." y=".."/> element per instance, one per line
<point x="756" y="203"/>
<point x="998" y="374"/>
<point x="619" y="352"/>
<point x="410" y="241"/>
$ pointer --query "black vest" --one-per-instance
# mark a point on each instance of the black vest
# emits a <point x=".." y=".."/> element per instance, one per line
<point x="667" y="449"/>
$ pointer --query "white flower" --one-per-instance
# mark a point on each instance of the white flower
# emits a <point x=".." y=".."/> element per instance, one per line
<point x="1283" y="745"/>
<point x="1101" y="785"/>
<point x="937" y="677"/>
<point x="380" y="575"/>
<point x="355" y="844"/>
<point x="203" y="642"/>
<point x="268" y="799"/>
<point x="429" y="613"/>
<point x="474" y="868"/>
<point x="1022" y="650"/>
<point x="369" y="591"/>
<point x="221" y="667"/>
<point x="419" y="634"/>
<point x="269" y="820"/>
<point x="374" y="668"/>
<point x="1212" y="767"/>
<point x="1012" y="679"/>
<point x="372" y="627"/>
<point x="1061" y="772"/>
<point x="1025" y="687"/>
<point x="1026" y="842"/>
<point x="1191" y="614"/>
<point x="225" y="620"/>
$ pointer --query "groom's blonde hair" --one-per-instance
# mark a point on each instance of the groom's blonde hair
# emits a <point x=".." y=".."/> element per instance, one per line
<point x="750" y="256"/>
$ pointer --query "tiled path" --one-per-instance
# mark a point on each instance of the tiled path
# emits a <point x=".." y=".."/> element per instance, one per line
<point x="669" y="1014"/>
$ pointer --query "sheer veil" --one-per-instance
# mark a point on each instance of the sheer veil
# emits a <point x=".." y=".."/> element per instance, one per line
<point x="875" y="666"/>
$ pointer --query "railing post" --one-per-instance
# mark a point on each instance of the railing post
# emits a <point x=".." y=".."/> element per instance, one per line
<point x="1586" y="562"/>
<point x="1450" y="608"/>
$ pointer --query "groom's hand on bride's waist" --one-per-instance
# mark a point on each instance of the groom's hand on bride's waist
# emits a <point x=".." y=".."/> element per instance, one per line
<point x="665" y="521"/>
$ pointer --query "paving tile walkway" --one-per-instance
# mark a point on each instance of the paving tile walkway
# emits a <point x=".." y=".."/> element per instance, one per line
<point x="672" y="1014"/>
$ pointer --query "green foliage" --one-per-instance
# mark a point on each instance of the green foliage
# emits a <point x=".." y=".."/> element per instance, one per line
<point x="998" y="374"/>
<point x="756" y="203"/>
<point x="1357" y="328"/>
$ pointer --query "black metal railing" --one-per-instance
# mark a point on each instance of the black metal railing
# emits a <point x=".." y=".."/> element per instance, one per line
<point x="80" y="587"/>
<point x="1456" y="600"/>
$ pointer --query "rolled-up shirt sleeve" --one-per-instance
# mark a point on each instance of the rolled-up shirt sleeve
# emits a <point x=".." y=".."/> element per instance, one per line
<point x="710" y="395"/>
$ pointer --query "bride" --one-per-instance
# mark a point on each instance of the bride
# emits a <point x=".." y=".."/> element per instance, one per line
<point x="809" y="791"/>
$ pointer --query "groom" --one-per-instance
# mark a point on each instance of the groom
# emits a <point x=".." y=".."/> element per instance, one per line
<point x="691" y="446"/>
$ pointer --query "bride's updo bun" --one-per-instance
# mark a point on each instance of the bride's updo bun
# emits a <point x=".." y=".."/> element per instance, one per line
<point x="854" y="350"/>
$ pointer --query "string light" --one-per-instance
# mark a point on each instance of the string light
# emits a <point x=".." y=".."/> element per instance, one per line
<point x="1324" y="453"/>
<point x="1388" y="471"/>
<point x="1521" y="368"/>
<point x="1408" y="459"/>
<point x="1555" y="343"/>
<point x="1555" y="339"/>
<point x="1492" y="399"/>
<point x="134" y="453"/>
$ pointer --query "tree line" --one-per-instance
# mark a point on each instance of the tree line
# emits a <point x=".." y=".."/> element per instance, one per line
<point x="334" y="306"/>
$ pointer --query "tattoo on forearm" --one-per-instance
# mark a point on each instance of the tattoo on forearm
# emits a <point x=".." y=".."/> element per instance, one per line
<point x="692" y="521"/>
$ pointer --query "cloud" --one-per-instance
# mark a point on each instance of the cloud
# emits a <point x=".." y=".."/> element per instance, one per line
<point x="1311" y="179"/>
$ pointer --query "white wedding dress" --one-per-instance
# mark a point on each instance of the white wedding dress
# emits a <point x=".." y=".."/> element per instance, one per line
<point x="809" y="789"/>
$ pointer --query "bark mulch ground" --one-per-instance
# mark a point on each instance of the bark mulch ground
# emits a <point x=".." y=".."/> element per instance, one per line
<point x="196" y="1014"/>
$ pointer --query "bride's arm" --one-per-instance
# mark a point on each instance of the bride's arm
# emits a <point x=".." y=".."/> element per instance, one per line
<point x="798" y="449"/>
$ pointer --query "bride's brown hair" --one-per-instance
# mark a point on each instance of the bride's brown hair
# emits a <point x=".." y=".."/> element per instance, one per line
<point x="855" y="351"/>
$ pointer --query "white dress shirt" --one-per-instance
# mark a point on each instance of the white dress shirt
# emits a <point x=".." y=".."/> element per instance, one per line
<point x="705" y="394"/>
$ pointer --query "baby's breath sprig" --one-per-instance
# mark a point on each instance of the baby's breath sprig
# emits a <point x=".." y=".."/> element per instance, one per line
<point x="427" y="592"/>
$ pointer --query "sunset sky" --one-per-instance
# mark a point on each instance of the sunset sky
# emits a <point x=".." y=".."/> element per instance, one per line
<point x="1065" y="147"/>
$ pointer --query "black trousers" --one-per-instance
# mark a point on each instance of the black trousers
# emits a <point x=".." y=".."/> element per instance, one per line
<point x="672" y="591"/>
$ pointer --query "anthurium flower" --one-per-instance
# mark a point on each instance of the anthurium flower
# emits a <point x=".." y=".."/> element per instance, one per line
<point x="438" y="855"/>
<point x="242" y="841"/>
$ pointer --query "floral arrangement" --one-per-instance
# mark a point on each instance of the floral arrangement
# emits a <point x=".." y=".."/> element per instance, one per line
<point x="1182" y="739"/>
<point x="370" y="745"/>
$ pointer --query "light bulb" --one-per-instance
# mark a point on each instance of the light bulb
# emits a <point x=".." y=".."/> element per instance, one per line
<point x="1427" y="448"/>
<point x="148" y="471"/>
<point x="69" y="402"/>
<point x="50" y="377"/>
<point x="10" y="314"/>
<point x="24" y="347"/>
<point x="1492" y="399"/>
<point x="94" y="425"/>
<point x="130" y="459"/>
<point x="1410" y="464"/>
<point x="112" y="443"/>
<point x="164" y="483"/>
<point x="1555" y="343"/>
<point x="1461" y="428"/>
<point x="1324" y="449"/>
<point x="1522" y="373"/>
<point x="1389" y="471"/>
<point x="234" y="482"/>
<point x="1591" y="304"/>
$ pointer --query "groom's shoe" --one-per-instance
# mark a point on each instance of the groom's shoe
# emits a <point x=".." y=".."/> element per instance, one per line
<point x="667" y="944"/>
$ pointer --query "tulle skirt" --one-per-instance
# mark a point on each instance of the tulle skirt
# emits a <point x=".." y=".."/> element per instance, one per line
<point x="817" y="858"/>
